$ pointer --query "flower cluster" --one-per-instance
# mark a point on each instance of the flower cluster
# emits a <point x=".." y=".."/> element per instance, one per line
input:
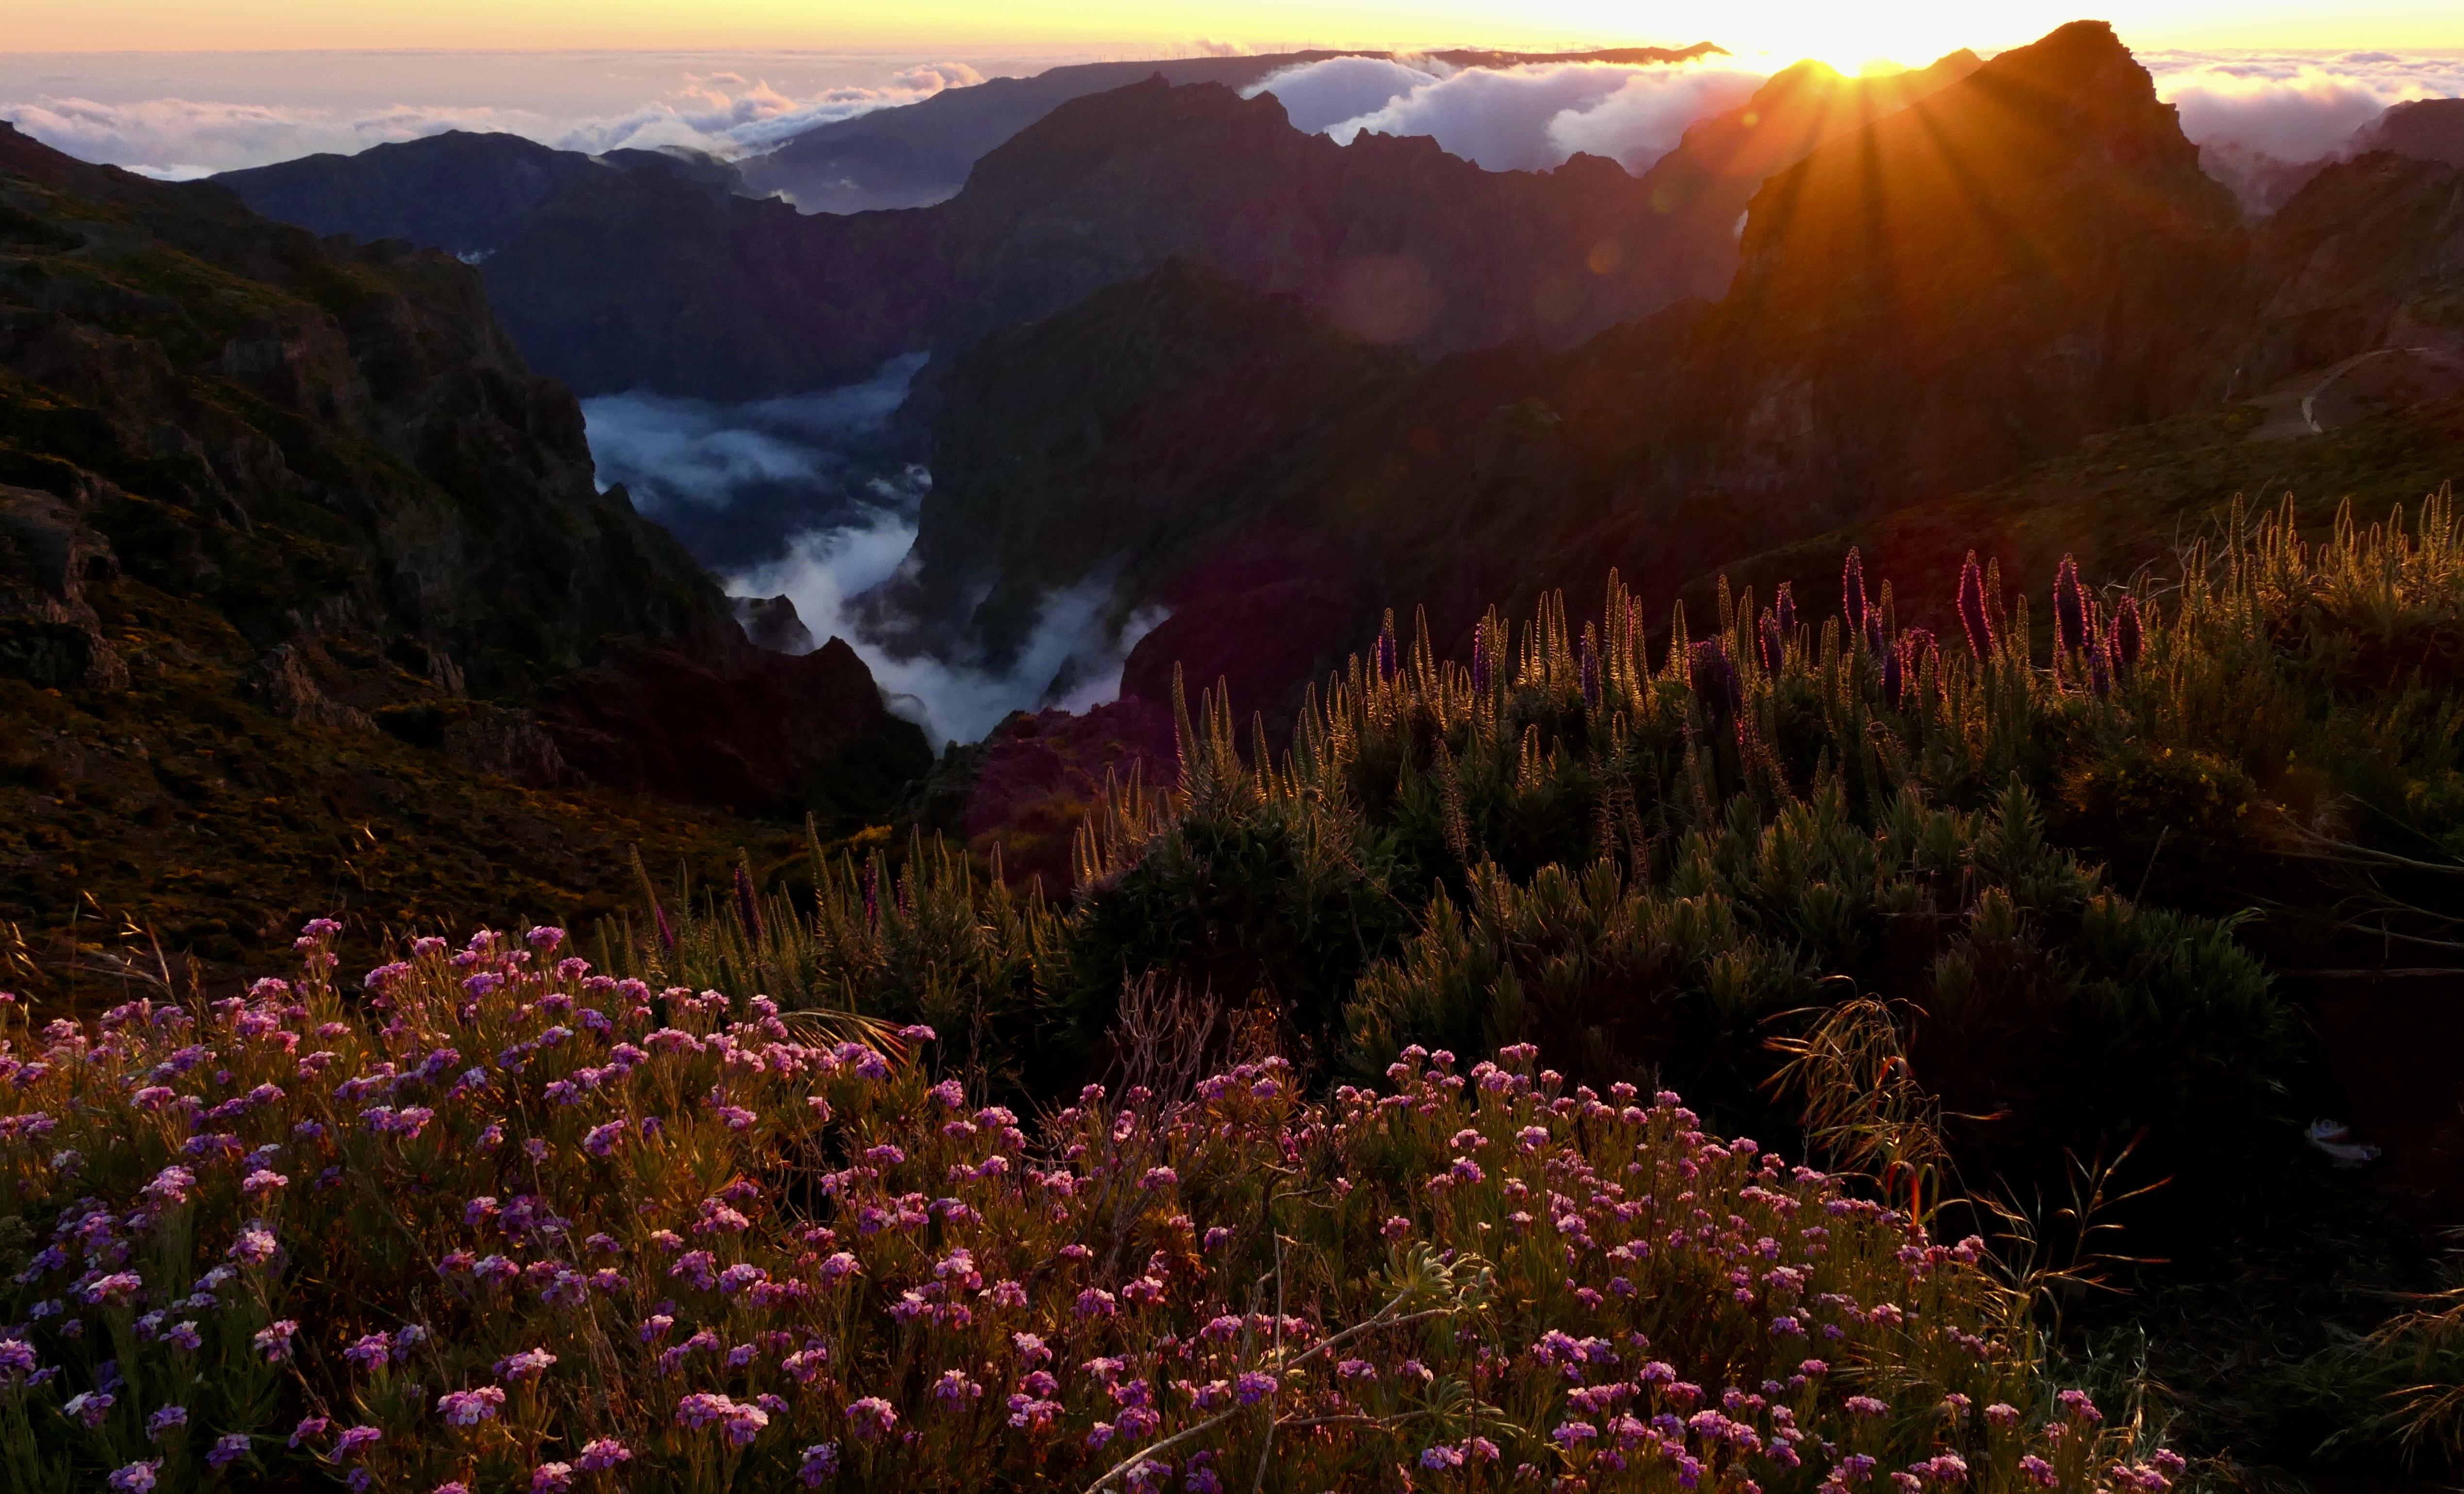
<point x="540" y="1225"/>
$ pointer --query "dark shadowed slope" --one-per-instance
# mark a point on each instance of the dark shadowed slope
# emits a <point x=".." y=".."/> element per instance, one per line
<point x="297" y="563"/>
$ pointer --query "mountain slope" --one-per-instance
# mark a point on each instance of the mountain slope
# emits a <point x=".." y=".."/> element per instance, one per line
<point x="298" y="506"/>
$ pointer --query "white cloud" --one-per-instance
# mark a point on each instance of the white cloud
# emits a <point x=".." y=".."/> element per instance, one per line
<point x="1517" y="119"/>
<point x="2255" y="113"/>
<point x="669" y="451"/>
<point x="722" y="113"/>
<point x="1072" y="656"/>
<point x="744" y="467"/>
<point x="1319" y="96"/>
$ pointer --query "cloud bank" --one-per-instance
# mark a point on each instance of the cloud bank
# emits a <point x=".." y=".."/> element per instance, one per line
<point x="725" y="113"/>
<point x="1072" y="657"/>
<point x="2255" y="117"/>
<point x="671" y="452"/>
<point x="1518" y="119"/>
<point x="810" y="497"/>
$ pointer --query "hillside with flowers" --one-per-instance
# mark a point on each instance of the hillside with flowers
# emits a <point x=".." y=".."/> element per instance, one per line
<point x="1604" y="1063"/>
<point x="507" y="1222"/>
<point x="1943" y="971"/>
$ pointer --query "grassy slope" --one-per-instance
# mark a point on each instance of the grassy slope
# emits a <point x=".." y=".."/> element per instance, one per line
<point x="179" y="807"/>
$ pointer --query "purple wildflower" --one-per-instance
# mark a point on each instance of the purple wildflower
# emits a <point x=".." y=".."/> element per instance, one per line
<point x="748" y="906"/>
<point x="2127" y="637"/>
<point x="469" y="1408"/>
<point x="1973" y="615"/>
<point x="1715" y="678"/>
<point x="872" y="1417"/>
<point x="2070" y="608"/>
<point x="602" y="1455"/>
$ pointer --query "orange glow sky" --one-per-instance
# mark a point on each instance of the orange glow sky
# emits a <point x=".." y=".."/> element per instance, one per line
<point x="1839" y="32"/>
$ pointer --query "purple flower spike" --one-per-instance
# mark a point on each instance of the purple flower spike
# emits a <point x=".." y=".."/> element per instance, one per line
<point x="748" y="907"/>
<point x="1894" y="678"/>
<point x="1591" y="671"/>
<point x="1784" y="608"/>
<point x="1771" y="647"/>
<point x="1972" y="614"/>
<point x="1387" y="652"/>
<point x="667" y="931"/>
<point x="1715" y="678"/>
<point x="2070" y="608"/>
<point x="1480" y="668"/>
<point x="1852" y="590"/>
<point x="2127" y="639"/>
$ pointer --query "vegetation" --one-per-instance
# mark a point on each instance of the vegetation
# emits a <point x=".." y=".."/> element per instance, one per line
<point x="676" y="1241"/>
<point x="1952" y="915"/>
<point x="1656" y="865"/>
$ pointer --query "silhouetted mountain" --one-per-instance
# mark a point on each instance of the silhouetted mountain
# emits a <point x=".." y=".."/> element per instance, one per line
<point x="641" y="279"/>
<point x="333" y="458"/>
<point x="917" y="154"/>
<point x="1704" y="185"/>
<point x="459" y="191"/>
<point x="2424" y="129"/>
<point x="2004" y="269"/>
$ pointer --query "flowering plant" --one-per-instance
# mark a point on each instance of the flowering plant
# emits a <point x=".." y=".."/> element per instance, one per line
<point x="800" y="1262"/>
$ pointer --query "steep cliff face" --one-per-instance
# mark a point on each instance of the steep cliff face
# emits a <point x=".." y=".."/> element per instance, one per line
<point x="334" y="452"/>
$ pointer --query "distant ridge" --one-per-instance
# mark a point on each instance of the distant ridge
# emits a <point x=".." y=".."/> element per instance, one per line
<point x="920" y="153"/>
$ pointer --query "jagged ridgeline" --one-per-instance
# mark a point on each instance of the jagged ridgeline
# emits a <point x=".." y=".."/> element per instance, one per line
<point x="1999" y="856"/>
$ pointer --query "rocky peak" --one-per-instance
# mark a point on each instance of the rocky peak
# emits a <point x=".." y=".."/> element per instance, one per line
<point x="2026" y="256"/>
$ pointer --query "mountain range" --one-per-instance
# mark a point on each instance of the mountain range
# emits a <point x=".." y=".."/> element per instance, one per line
<point x="2020" y="262"/>
<point x="323" y="495"/>
<point x="646" y="274"/>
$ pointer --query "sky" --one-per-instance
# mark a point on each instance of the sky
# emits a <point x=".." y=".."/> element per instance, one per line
<point x="1835" y="32"/>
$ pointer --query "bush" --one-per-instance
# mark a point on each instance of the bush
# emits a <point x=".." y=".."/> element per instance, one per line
<point x="510" y="1223"/>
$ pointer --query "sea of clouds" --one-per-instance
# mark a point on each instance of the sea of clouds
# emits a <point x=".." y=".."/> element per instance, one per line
<point x="2247" y="112"/>
<point x="2253" y="115"/>
<point x="727" y="113"/>
<point x="1518" y="119"/>
<point x="806" y="497"/>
